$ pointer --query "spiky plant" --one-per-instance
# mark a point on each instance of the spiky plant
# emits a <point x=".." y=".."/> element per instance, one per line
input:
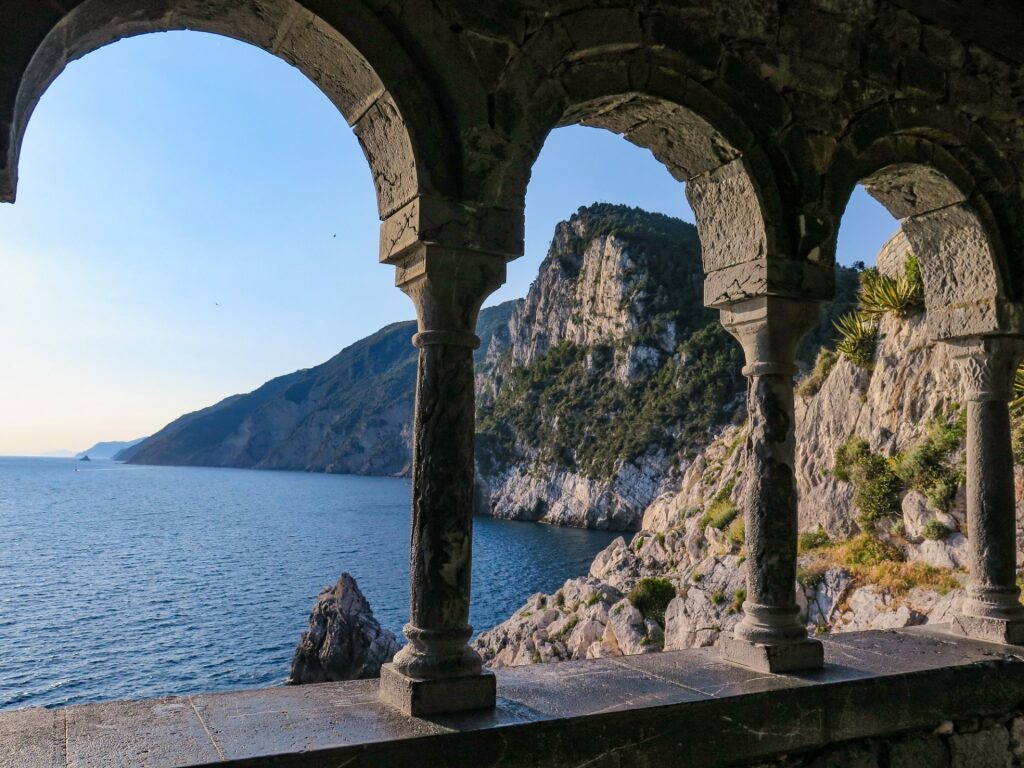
<point x="858" y="336"/>
<point x="902" y="295"/>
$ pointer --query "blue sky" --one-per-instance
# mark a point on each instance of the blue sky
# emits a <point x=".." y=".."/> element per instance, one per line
<point x="194" y="217"/>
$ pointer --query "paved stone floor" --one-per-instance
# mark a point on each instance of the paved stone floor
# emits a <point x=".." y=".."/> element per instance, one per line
<point x="685" y="708"/>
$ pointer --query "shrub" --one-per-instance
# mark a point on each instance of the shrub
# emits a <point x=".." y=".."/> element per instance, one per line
<point x="812" y="574"/>
<point x="717" y="597"/>
<point x="737" y="532"/>
<point x="719" y="515"/>
<point x="737" y="600"/>
<point x="651" y="597"/>
<point x="811" y="384"/>
<point x="858" y="337"/>
<point x="876" y="486"/>
<point x="927" y="467"/>
<point x="1017" y="404"/>
<point x="865" y="549"/>
<point x="935" y="531"/>
<point x="812" y="540"/>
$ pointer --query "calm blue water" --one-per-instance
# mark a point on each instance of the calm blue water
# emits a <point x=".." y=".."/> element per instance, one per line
<point x="124" y="582"/>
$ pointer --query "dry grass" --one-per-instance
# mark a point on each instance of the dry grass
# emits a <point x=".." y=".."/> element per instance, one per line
<point x="872" y="561"/>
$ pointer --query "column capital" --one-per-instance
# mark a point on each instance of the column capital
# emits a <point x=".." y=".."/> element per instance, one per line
<point x="769" y="328"/>
<point x="988" y="364"/>
<point x="448" y="286"/>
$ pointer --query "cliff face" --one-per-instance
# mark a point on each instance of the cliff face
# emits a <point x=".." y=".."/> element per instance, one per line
<point x="350" y="415"/>
<point x="609" y="377"/>
<point x="882" y="511"/>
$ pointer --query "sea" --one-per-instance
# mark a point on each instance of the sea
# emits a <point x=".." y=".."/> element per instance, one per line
<point x="127" y="582"/>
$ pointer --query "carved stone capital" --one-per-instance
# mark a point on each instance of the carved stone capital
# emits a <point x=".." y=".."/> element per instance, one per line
<point x="988" y="364"/>
<point x="770" y="328"/>
<point x="448" y="287"/>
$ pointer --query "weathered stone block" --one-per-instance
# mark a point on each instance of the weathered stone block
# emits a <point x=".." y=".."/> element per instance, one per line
<point x="791" y="657"/>
<point x="916" y="752"/>
<point x="417" y="698"/>
<point x="983" y="749"/>
<point x="1003" y="631"/>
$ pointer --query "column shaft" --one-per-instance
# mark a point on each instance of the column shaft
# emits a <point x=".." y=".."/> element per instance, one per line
<point x="442" y="516"/>
<point x="771" y="513"/>
<point x="991" y="610"/>
<point x="437" y="671"/>
<point x="771" y="637"/>
<point x="991" y="514"/>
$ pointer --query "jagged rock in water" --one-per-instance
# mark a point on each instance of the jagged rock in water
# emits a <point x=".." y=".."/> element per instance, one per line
<point x="344" y="641"/>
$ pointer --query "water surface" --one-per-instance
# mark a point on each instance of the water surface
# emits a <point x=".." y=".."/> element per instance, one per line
<point x="123" y="582"/>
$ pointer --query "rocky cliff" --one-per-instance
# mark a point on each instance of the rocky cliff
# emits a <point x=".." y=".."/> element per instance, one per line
<point x="611" y="376"/>
<point x="880" y="478"/>
<point x="350" y="415"/>
<point x="344" y="640"/>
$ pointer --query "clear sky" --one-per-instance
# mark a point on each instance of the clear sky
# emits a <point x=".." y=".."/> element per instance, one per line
<point x="194" y="217"/>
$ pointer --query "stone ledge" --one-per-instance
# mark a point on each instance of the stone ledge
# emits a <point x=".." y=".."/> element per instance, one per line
<point x="676" y="708"/>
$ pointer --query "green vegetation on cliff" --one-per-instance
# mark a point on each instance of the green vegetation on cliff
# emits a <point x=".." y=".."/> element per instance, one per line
<point x="579" y="408"/>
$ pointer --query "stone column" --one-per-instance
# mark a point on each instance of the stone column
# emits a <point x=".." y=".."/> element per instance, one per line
<point x="992" y="610"/>
<point x="437" y="671"/>
<point x="771" y="636"/>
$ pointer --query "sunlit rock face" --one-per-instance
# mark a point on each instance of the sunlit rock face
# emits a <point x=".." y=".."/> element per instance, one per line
<point x="344" y="640"/>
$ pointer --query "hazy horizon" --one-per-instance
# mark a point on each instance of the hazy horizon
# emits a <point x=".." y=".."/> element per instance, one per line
<point x="194" y="218"/>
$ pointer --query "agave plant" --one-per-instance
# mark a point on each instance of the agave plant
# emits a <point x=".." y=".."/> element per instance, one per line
<point x="902" y="295"/>
<point x="858" y="336"/>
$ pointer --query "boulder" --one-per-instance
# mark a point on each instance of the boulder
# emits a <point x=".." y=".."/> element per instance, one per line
<point x="344" y="641"/>
<point x="948" y="553"/>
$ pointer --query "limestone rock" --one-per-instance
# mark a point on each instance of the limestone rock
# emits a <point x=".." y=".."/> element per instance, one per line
<point x="917" y="514"/>
<point x="344" y="641"/>
<point x="823" y="598"/>
<point x="707" y="606"/>
<point x="941" y="553"/>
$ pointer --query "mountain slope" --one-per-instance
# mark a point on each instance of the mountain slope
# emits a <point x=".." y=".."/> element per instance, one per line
<point x="612" y="375"/>
<point x="350" y="415"/>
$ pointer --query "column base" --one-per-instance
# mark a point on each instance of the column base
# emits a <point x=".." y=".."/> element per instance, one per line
<point x="417" y="698"/>
<point x="800" y="656"/>
<point x="991" y="630"/>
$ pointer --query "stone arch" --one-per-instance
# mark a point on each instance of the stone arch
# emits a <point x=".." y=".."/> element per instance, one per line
<point x="928" y="174"/>
<point x="354" y="60"/>
<point x="594" y="68"/>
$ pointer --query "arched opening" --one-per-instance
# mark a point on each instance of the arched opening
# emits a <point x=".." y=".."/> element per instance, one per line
<point x="180" y="236"/>
<point x="883" y="473"/>
<point x="599" y="407"/>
